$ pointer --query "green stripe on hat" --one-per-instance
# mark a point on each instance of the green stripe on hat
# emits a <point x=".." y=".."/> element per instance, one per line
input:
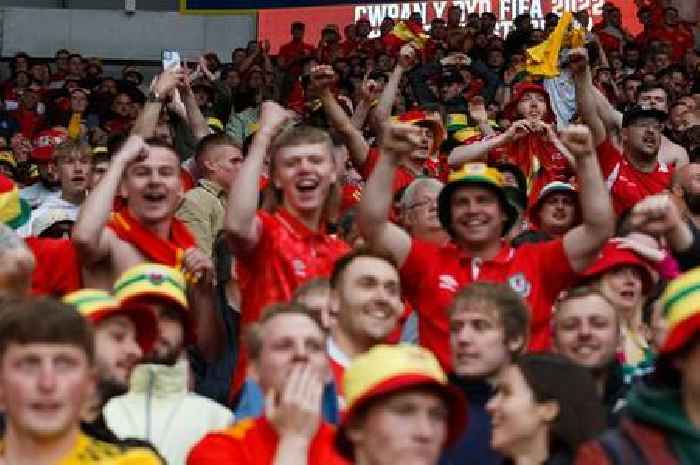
<point x="140" y="277"/>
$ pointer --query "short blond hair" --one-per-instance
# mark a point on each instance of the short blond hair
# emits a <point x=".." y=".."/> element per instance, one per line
<point x="68" y="149"/>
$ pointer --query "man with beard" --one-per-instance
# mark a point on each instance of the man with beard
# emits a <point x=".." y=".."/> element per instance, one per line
<point x="586" y="330"/>
<point x="159" y="407"/>
<point x="122" y="336"/>
<point x="649" y="96"/>
<point x="43" y="149"/>
<point x="636" y="171"/>
<point x="556" y="210"/>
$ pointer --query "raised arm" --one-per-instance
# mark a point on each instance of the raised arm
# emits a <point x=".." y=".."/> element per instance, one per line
<point x="363" y="107"/>
<point x="195" y="118"/>
<point x="165" y="83"/>
<point x="407" y="57"/>
<point x="583" y="243"/>
<point x="478" y="151"/>
<point x="585" y="95"/>
<point x="322" y="78"/>
<point x="397" y="141"/>
<point x="243" y="227"/>
<point x="90" y="236"/>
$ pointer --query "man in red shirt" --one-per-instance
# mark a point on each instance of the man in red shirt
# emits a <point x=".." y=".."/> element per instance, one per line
<point x="294" y="52"/>
<point x="281" y="249"/>
<point x="635" y="172"/>
<point x="474" y="210"/>
<point x="287" y="348"/>
<point x="366" y="299"/>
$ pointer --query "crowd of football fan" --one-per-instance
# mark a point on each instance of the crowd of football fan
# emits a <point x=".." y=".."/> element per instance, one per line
<point x="437" y="245"/>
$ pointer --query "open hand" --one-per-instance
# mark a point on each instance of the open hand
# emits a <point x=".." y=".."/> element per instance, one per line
<point x="296" y="411"/>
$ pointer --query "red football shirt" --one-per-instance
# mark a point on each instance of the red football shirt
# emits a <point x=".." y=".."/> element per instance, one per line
<point x="254" y="442"/>
<point x="628" y="185"/>
<point x="287" y="255"/>
<point x="57" y="270"/>
<point x="432" y="275"/>
<point x="402" y="178"/>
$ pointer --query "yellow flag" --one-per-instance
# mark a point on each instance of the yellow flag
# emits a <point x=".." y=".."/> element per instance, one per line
<point x="543" y="59"/>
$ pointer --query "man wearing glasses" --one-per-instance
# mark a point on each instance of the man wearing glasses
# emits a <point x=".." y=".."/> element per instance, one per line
<point x="636" y="172"/>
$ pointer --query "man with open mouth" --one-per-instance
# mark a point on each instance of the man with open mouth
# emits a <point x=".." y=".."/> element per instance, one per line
<point x="279" y="250"/>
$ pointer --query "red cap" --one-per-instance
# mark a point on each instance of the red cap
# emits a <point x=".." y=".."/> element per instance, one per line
<point x="511" y="110"/>
<point x="612" y="257"/>
<point x="45" y="144"/>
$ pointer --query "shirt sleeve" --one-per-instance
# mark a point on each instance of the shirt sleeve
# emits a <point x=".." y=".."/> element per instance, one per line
<point x="267" y="228"/>
<point x="217" y="448"/>
<point x="192" y="213"/>
<point x="608" y="157"/>
<point x="370" y="162"/>
<point x="415" y="269"/>
<point x="554" y="266"/>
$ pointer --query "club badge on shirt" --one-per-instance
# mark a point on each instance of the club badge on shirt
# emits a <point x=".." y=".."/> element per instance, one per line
<point x="520" y="284"/>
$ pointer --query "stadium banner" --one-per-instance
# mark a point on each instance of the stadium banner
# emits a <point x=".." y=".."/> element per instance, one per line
<point x="248" y="6"/>
<point x="274" y="25"/>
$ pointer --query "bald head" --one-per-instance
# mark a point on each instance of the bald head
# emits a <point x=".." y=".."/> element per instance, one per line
<point x="686" y="185"/>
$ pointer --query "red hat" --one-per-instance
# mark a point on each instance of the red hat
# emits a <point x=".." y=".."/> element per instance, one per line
<point x="520" y="89"/>
<point x="611" y="257"/>
<point x="45" y="144"/>
<point x="554" y="187"/>
<point x="388" y="369"/>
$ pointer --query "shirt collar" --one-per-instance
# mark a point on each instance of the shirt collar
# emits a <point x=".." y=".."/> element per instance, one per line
<point x="213" y="188"/>
<point x="504" y="255"/>
<point x="296" y="226"/>
<point x="336" y="354"/>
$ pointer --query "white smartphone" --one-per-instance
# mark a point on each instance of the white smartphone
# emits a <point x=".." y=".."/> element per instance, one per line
<point x="171" y="59"/>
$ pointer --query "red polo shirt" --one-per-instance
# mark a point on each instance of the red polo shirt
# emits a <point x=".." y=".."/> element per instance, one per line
<point x="287" y="255"/>
<point x="432" y="275"/>
<point x="628" y="185"/>
<point x="254" y="442"/>
<point x="402" y="178"/>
